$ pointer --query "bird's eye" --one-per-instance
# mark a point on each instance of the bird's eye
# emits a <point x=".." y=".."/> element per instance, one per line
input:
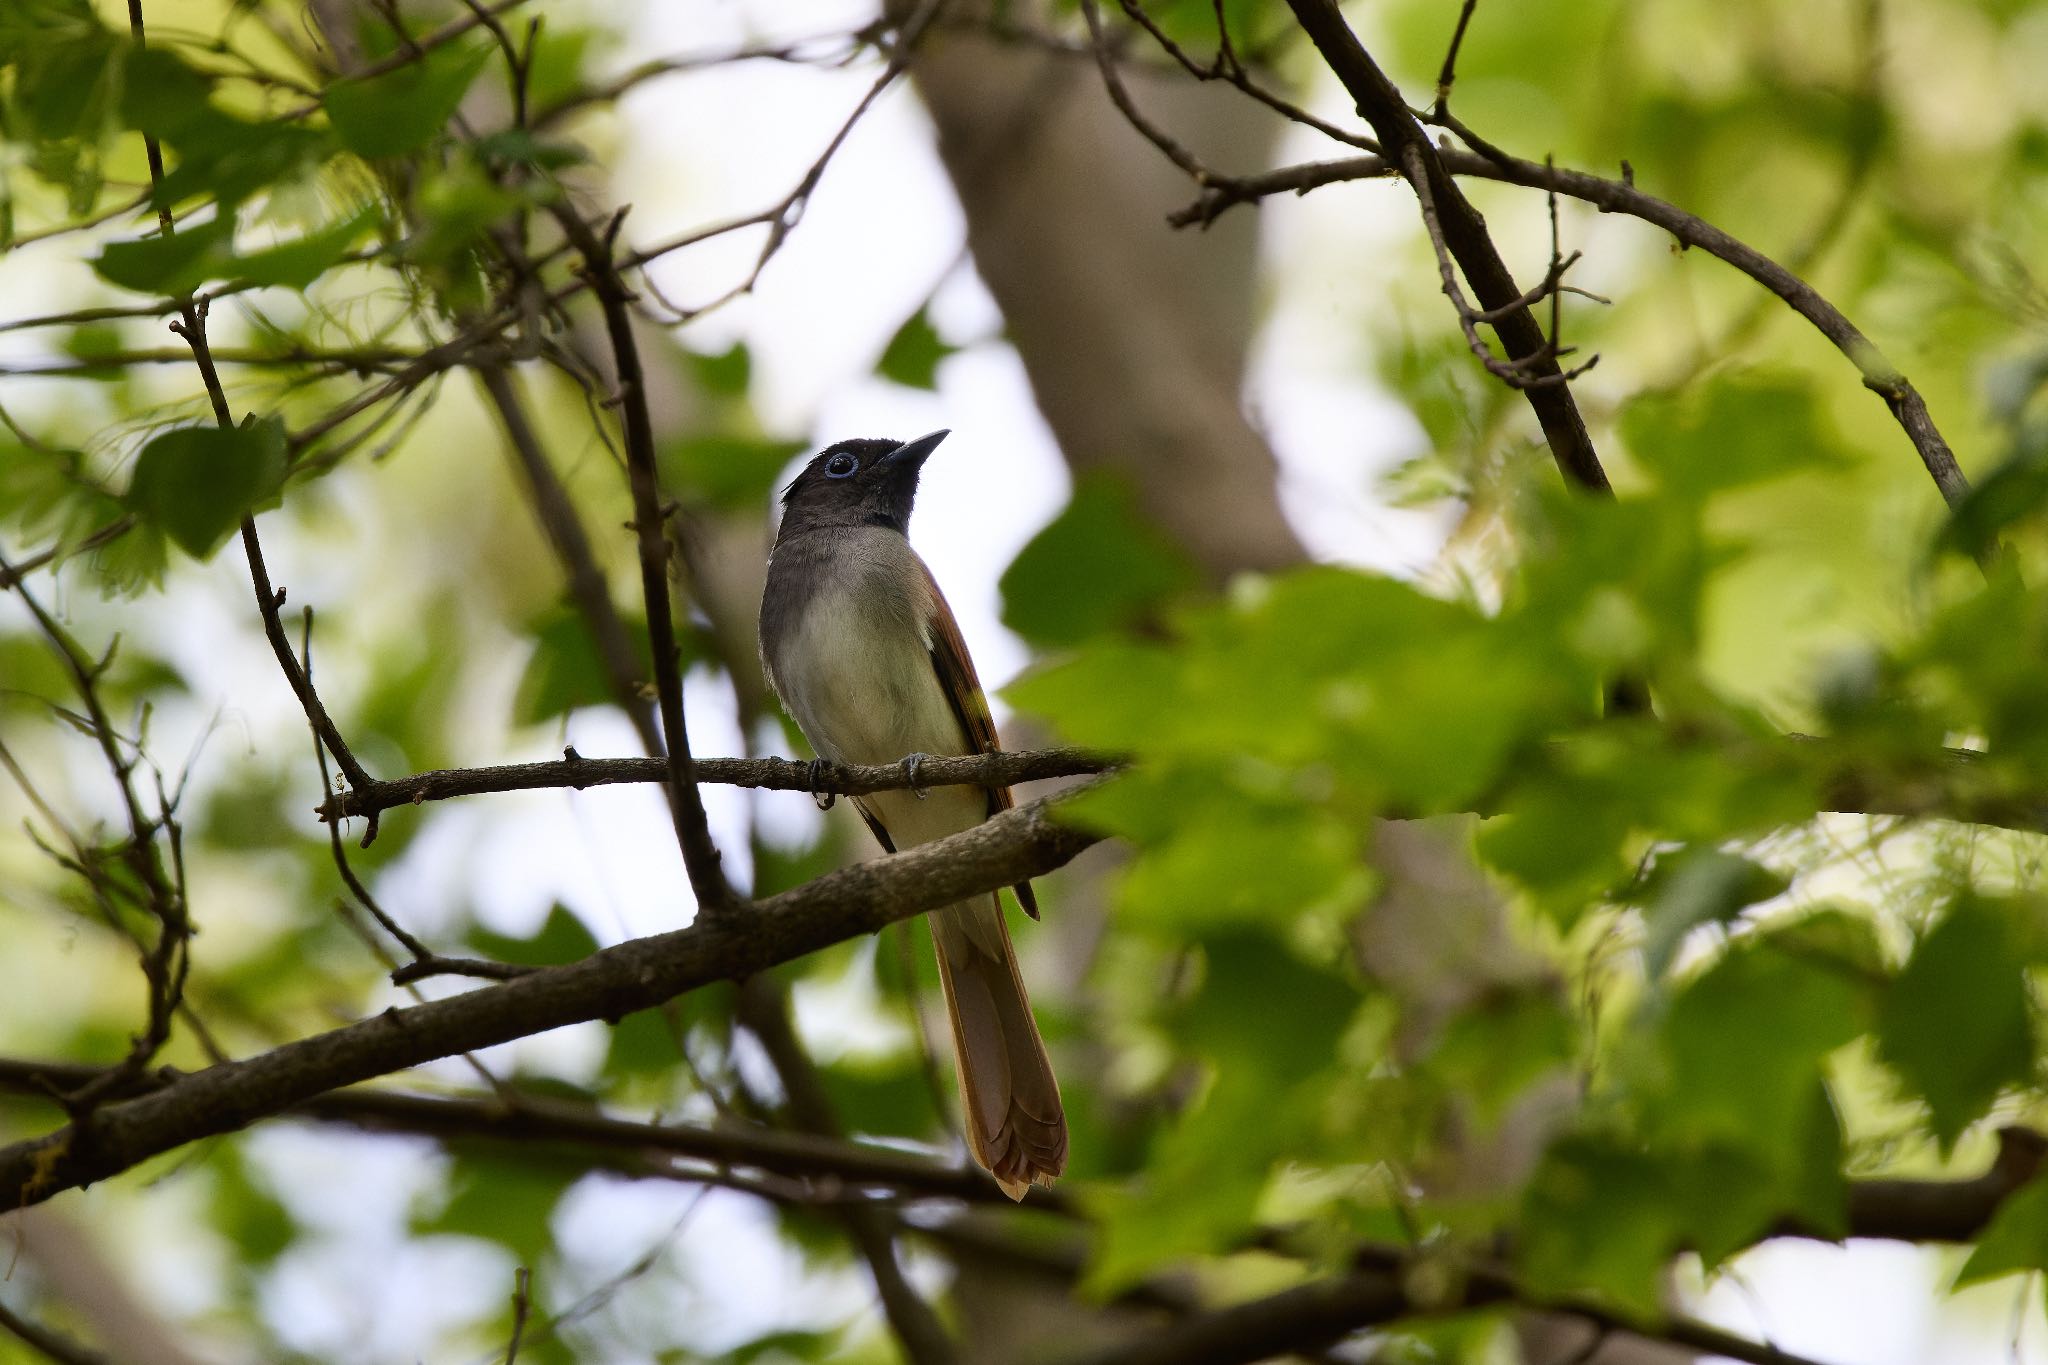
<point x="840" y="465"/>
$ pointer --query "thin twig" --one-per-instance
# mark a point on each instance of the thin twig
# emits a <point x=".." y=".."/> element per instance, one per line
<point x="1447" y="75"/>
<point x="522" y="1304"/>
<point x="693" y="832"/>
<point x="47" y="1341"/>
<point x="1878" y="373"/>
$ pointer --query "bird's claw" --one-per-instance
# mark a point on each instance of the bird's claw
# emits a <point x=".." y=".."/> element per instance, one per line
<point x="910" y="767"/>
<point x="814" y="775"/>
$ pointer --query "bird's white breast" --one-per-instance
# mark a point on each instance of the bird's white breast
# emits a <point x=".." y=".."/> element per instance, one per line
<point x="855" y="668"/>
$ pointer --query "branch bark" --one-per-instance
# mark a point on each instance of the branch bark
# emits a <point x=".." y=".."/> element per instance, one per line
<point x="1027" y="842"/>
<point x="1005" y="768"/>
<point x="1463" y="234"/>
<point x="1879" y="375"/>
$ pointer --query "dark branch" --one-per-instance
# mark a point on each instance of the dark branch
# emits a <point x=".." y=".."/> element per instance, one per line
<point x="1879" y="375"/>
<point x="693" y="832"/>
<point x="1323" y="1312"/>
<point x="1010" y="848"/>
<point x="1464" y="237"/>
<point x="1002" y="769"/>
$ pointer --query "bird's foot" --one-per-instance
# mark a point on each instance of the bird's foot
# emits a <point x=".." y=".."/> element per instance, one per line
<point x="910" y="767"/>
<point x="814" y="774"/>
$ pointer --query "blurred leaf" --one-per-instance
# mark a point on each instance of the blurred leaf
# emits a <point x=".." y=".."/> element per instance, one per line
<point x="726" y="373"/>
<point x="912" y="356"/>
<point x="298" y="263"/>
<point x="724" y="469"/>
<point x="197" y="483"/>
<point x="1600" y="1217"/>
<point x="251" y="1217"/>
<point x="1729" y="433"/>
<point x="1746" y="1041"/>
<point x="648" y="1042"/>
<point x="517" y="147"/>
<point x="2008" y="495"/>
<point x="1491" y="1052"/>
<point x="404" y="109"/>
<point x="1096" y="567"/>
<point x="1701" y="886"/>
<point x="561" y="938"/>
<point x="177" y="264"/>
<point x="775" y="1347"/>
<point x="565" y="671"/>
<point x="504" y="1195"/>
<point x="886" y="1096"/>
<point x="31" y="674"/>
<point x="1957" y="1024"/>
<point x="2017" y="1238"/>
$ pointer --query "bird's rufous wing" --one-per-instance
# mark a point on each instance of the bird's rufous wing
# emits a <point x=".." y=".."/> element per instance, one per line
<point x="970" y="704"/>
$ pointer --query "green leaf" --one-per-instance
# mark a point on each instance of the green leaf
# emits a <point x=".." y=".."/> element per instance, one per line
<point x="404" y="109"/>
<point x="2013" y="492"/>
<point x="296" y="264"/>
<point x="886" y="1096"/>
<point x="1599" y="1216"/>
<point x="1494" y="1050"/>
<point x="177" y="264"/>
<point x="1098" y="566"/>
<point x="561" y="938"/>
<point x="644" y="1043"/>
<point x="725" y="469"/>
<point x="2017" y="1238"/>
<point x="1746" y="1041"/>
<point x="504" y="1196"/>
<point x="565" y="671"/>
<point x="251" y="1217"/>
<point x="1737" y="431"/>
<point x="1115" y="695"/>
<point x="1703" y="886"/>
<point x="726" y="373"/>
<point x="197" y="483"/>
<point x="1956" y="1024"/>
<point x="912" y="356"/>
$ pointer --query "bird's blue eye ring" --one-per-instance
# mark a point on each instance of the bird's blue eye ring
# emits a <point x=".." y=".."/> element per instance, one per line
<point x="840" y="465"/>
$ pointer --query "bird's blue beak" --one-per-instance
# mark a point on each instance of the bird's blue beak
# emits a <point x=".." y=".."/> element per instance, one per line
<point x="911" y="455"/>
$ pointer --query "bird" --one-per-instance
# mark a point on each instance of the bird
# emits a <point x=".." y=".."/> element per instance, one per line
<point x="858" y="643"/>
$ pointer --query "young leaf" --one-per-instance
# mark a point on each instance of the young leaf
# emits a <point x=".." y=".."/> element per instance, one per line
<point x="2016" y="1240"/>
<point x="296" y="264"/>
<point x="1097" y="566"/>
<point x="197" y="483"/>
<point x="912" y="356"/>
<point x="561" y="938"/>
<point x="724" y="469"/>
<point x="403" y="110"/>
<point x="176" y="264"/>
<point x="1956" y="1024"/>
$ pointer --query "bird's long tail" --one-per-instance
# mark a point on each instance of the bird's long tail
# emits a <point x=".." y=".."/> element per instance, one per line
<point x="1015" y="1125"/>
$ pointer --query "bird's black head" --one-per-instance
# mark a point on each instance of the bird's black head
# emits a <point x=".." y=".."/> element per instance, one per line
<point x="857" y="483"/>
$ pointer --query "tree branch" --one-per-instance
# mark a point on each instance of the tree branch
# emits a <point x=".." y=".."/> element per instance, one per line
<point x="1464" y="236"/>
<point x="1946" y="786"/>
<point x="1879" y="375"/>
<point x="1016" y="845"/>
<point x="1322" y="1312"/>
<point x="693" y="832"/>
<point x="1004" y="768"/>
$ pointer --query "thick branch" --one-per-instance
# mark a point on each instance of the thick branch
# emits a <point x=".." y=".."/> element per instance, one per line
<point x="1010" y="848"/>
